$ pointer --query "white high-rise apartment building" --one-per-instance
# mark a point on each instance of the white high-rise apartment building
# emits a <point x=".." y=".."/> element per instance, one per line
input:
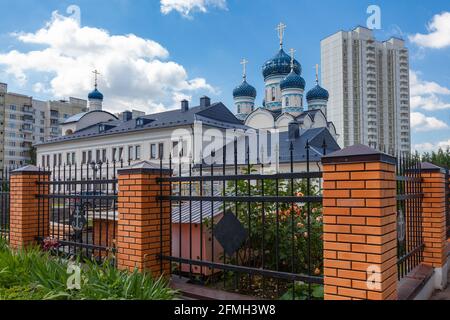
<point x="368" y="82"/>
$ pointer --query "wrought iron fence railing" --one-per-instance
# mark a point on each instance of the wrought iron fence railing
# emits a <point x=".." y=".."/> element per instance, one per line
<point x="81" y="202"/>
<point x="410" y="244"/>
<point x="447" y="201"/>
<point x="246" y="228"/>
<point x="5" y="202"/>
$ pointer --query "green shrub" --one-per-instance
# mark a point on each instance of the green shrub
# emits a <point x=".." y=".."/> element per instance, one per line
<point x="33" y="275"/>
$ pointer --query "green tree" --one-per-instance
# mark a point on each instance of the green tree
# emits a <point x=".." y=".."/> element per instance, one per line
<point x="33" y="155"/>
<point x="440" y="158"/>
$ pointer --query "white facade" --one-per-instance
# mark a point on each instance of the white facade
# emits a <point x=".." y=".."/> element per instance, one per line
<point x="368" y="82"/>
<point x="262" y="119"/>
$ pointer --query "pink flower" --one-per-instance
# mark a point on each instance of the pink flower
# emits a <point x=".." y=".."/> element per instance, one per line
<point x="50" y="244"/>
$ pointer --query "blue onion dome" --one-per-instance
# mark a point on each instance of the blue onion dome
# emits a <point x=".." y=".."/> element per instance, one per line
<point x="244" y="90"/>
<point x="317" y="93"/>
<point x="293" y="81"/>
<point x="95" y="95"/>
<point x="280" y="65"/>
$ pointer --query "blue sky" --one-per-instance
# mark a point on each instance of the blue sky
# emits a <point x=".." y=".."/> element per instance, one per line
<point x="175" y="53"/>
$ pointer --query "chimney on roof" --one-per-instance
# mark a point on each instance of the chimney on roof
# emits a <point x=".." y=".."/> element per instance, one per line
<point x="205" y="101"/>
<point x="184" y="106"/>
<point x="294" y="130"/>
<point x="127" y="116"/>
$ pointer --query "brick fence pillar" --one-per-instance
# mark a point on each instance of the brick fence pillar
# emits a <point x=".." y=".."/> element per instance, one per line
<point x="434" y="221"/>
<point x="144" y="222"/>
<point x="29" y="216"/>
<point x="360" y="233"/>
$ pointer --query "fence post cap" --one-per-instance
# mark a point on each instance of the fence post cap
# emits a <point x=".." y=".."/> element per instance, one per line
<point x="30" y="169"/>
<point x="144" y="167"/>
<point x="429" y="167"/>
<point x="358" y="153"/>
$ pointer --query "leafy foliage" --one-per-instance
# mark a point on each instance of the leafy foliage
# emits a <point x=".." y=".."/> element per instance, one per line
<point x="282" y="237"/>
<point x="440" y="158"/>
<point x="34" y="275"/>
<point x="300" y="292"/>
<point x="288" y="237"/>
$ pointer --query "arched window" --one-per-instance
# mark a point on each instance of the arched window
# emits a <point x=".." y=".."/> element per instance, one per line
<point x="287" y="101"/>
<point x="239" y="108"/>
<point x="273" y="93"/>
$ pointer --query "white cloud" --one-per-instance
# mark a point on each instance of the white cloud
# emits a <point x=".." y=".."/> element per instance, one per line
<point x="427" y="95"/>
<point x="422" y="123"/>
<point x="186" y="7"/>
<point x="428" y="146"/>
<point x="438" y="36"/>
<point x="134" y="71"/>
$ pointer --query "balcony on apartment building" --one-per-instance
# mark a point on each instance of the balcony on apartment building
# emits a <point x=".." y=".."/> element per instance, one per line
<point x="26" y="127"/>
<point x="54" y="114"/>
<point x="28" y="109"/>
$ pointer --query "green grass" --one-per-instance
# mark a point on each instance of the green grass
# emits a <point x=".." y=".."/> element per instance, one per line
<point x="34" y="275"/>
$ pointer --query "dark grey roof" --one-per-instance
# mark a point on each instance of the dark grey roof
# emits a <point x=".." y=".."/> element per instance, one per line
<point x="278" y="113"/>
<point x="357" y="149"/>
<point x="358" y="153"/>
<point x="79" y="116"/>
<point x="75" y="118"/>
<point x="427" y="166"/>
<point x="217" y="115"/>
<point x="316" y="138"/>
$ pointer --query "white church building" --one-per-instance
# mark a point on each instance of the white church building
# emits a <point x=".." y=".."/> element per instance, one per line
<point x="99" y="136"/>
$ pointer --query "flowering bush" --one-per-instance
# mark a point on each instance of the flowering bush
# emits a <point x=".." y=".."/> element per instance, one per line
<point x="282" y="236"/>
<point x="50" y="244"/>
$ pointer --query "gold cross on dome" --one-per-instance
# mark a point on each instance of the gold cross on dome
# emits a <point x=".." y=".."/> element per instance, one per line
<point x="281" y="28"/>
<point x="96" y="74"/>
<point x="244" y="64"/>
<point x="317" y="73"/>
<point x="292" y="58"/>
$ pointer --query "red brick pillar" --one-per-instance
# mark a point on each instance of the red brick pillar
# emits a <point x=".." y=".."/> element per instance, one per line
<point x="360" y="234"/>
<point x="434" y="220"/>
<point x="29" y="216"/>
<point x="144" y="222"/>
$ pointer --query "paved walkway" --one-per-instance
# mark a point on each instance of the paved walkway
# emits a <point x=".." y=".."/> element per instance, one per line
<point x="443" y="295"/>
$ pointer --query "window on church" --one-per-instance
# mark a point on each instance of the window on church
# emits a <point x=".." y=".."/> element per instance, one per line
<point x="273" y="93"/>
<point x="239" y="108"/>
<point x="120" y="154"/>
<point x="287" y="101"/>
<point x="161" y="150"/>
<point x="138" y="153"/>
<point x="153" y="149"/>
<point x="130" y="153"/>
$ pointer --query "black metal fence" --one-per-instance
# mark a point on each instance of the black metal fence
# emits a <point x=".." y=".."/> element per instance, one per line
<point x="447" y="201"/>
<point x="82" y="203"/>
<point x="247" y="229"/>
<point x="4" y="202"/>
<point x="410" y="245"/>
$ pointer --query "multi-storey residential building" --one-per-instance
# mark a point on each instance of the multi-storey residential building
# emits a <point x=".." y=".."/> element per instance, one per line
<point x="368" y="82"/>
<point x="57" y="112"/>
<point x="25" y="121"/>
